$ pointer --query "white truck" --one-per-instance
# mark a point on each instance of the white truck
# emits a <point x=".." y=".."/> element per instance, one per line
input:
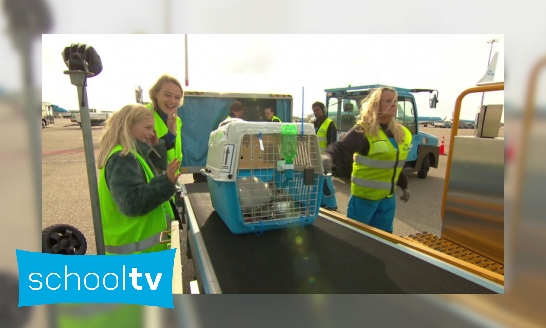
<point x="439" y="124"/>
<point x="48" y="117"/>
<point x="97" y="118"/>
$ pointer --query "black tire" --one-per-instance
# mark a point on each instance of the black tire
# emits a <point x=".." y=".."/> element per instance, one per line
<point x="425" y="166"/>
<point x="63" y="239"/>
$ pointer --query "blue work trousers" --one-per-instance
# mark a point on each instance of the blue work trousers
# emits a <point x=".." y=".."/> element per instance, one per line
<point x="328" y="197"/>
<point x="376" y="213"/>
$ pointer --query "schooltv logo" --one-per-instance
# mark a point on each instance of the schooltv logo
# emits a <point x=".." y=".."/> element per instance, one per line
<point x="143" y="279"/>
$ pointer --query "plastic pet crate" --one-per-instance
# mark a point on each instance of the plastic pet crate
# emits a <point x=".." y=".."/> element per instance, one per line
<point x="253" y="187"/>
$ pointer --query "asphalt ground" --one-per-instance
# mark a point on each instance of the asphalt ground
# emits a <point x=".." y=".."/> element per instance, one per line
<point x="66" y="200"/>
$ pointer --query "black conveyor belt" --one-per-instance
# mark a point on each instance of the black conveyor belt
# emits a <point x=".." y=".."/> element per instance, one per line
<point x="321" y="258"/>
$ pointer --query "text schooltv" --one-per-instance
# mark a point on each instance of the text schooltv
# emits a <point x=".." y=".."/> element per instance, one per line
<point x="144" y="279"/>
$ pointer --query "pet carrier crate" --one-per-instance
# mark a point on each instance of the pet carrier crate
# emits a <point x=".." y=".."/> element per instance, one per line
<point x="264" y="176"/>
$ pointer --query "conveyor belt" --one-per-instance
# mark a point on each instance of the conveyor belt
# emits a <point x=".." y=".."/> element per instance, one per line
<point x="451" y="249"/>
<point x="325" y="257"/>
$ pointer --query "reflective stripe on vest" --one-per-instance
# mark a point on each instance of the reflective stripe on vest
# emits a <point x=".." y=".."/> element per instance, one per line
<point x="375" y="176"/>
<point x="378" y="163"/>
<point x="123" y="234"/>
<point x="371" y="183"/>
<point x="134" y="247"/>
<point x="322" y="134"/>
<point x="275" y="119"/>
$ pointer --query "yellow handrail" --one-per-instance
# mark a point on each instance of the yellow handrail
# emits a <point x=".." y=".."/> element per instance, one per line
<point x="455" y="129"/>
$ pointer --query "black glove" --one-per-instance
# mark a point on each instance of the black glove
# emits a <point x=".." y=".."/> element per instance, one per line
<point x="406" y="196"/>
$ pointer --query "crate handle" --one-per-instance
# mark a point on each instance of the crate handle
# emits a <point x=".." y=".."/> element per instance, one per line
<point x="261" y="232"/>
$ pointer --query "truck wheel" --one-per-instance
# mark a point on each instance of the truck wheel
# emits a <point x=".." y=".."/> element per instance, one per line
<point x="425" y="166"/>
<point x="63" y="239"/>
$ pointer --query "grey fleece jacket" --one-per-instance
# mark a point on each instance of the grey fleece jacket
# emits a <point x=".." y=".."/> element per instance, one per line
<point x="126" y="180"/>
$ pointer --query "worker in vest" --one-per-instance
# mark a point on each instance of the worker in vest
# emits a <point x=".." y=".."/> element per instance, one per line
<point x="380" y="146"/>
<point x="236" y="110"/>
<point x="326" y="132"/>
<point x="269" y="113"/>
<point x="167" y="96"/>
<point x="134" y="199"/>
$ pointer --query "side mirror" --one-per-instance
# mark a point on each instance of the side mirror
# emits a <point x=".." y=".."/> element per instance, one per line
<point x="433" y="101"/>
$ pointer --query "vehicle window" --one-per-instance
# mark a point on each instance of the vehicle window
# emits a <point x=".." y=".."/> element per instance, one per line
<point x="332" y="109"/>
<point x="349" y="112"/>
<point x="405" y="114"/>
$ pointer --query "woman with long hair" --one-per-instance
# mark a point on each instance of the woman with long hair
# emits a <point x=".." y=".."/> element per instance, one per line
<point x="379" y="146"/>
<point x="134" y="198"/>
<point x="167" y="96"/>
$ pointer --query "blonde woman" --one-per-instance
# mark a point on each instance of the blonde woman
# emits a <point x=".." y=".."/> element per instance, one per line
<point x="134" y="199"/>
<point x="380" y="146"/>
<point x="167" y="96"/>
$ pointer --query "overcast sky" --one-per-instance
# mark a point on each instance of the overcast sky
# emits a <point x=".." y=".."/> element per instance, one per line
<point x="278" y="64"/>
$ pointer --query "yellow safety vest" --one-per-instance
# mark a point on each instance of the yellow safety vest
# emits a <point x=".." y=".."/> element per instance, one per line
<point x="162" y="129"/>
<point x="131" y="235"/>
<point x="322" y="134"/>
<point x="375" y="176"/>
<point x="276" y="119"/>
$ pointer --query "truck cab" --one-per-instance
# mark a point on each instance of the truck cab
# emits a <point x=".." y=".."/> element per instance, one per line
<point x="343" y="107"/>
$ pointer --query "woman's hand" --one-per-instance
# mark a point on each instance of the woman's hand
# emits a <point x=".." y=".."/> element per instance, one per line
<point x="154" y="141"/>
<point x="171" y="124"/>
<point x="171" y="171"/>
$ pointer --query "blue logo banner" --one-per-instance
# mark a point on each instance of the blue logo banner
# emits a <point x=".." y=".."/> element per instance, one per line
<point x="143" y="279"/>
